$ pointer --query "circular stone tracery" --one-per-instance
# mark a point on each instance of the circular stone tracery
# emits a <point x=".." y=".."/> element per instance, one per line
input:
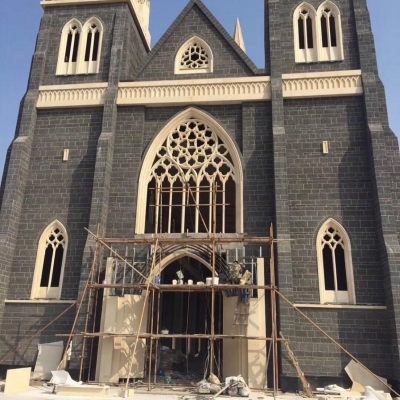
<point x="195" y="57"/>
<point x="195" y="151"/>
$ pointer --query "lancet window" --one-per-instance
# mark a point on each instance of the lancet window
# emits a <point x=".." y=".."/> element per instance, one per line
<point x="92" y="38"/>
<point x="335" y="264"/>
<point x="305" y="35"/>
<point x="192" y="183"/>
<point x="331" y="44"/>
<point x="50" y="262"/>
<point x="69" y="46"/>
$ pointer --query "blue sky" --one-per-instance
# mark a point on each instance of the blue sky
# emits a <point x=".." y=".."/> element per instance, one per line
<point x="19" y="23"/>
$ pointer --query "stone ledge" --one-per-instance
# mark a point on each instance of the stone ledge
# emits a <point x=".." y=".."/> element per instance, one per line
<point x="322" y="84"/>
<point x="39" y="301"/>
<point x="199" y="91"/>
<point x="343" y="306"/>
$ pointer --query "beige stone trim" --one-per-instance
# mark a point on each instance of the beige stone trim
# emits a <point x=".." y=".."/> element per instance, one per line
<point x="322" y="84"/>
<point x="204" y="91"/>
<point x="199" y="91"/>
<point x="71" y="95"/>
<point x="39" y="301"/>
<point x="342" y="306"/>
<point x="140" y="8"/>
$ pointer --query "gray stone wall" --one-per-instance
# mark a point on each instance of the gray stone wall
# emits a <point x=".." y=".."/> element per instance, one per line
<point x="336" y="185"/>
<point x="134" y="52"/>
<point x="227" y="62"/>
<point x="57" y="190"/>
<point x="22" y="321"/>
<point x="363" y="333"/>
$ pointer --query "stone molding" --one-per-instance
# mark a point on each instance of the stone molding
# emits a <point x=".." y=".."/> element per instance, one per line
<point x="204" y="91"/>
<point x="39" y="301"/>
<point x="71" y="95"/>
<point x="342" y="306"/>
<point x="140" y="8"/>
<point x="322" y="84"/>
<point x="199" y="91"/>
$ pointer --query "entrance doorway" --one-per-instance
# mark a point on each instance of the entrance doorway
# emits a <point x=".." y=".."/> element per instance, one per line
<point x="188" y="313"/>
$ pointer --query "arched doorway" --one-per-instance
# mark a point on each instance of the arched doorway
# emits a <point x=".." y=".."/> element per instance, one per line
<point x="188" y="313"/>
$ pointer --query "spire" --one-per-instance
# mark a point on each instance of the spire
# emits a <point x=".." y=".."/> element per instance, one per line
<point x="238" y="36"/>
<point x="142" y="10"/>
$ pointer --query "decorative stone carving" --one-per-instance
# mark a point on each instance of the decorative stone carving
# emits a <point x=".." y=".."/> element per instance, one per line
<point x="201" y="91"/>
<point x="71" y="95"/>
<point x="342" y="83"/>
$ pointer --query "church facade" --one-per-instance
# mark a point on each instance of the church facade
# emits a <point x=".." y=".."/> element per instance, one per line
<point x="303" y="144"/>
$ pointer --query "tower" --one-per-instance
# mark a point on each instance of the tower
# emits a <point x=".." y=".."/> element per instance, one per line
<point x="334" y="189"/>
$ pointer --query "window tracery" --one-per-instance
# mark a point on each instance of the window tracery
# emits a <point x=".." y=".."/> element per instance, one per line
<point x="91" y="49"/>
<point x="335" y="264"/>
<point x="305" y="35"/>
<point x="69" y="46"/>
<point x="331" y="44"/>
<point x="194" y="56"/>
<point x="80" y="48"/>
<point x="192" y="156"/>
<point x="317" y="34"/>
<point x="50" y="262"/>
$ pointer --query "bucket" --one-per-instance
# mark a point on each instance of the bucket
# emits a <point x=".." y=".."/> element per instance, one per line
<point x="209" y="281"/>
<point x="216" y="280"/>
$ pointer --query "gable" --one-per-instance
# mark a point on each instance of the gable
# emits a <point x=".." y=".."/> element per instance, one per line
<point x="228" y="60"/>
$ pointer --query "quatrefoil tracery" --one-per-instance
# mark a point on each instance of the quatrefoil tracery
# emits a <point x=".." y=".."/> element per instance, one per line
<point x="192" y="151"/>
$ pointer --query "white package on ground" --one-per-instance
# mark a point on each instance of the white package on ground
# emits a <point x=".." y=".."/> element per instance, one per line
<point x="49" y="356"/>
<point x="358" y="374"/>
<point x="372" y="394"/>
<point x="63" y="378"/>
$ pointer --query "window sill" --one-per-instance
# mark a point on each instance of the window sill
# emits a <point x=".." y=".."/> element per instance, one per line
<point x="343" y="306"/>
<point x="39" y="301"/>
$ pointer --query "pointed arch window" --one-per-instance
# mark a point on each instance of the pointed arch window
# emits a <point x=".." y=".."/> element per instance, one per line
<point x="92" y="37"/>
<point x="194" y="57"/>
<point x="192" y="151"/>
<point x="330" y="32"/>
<point x="50" y="262"/>
<point x="305" y="33"/>
<point x="69" y="48"/>
<point x="335" y="267"/>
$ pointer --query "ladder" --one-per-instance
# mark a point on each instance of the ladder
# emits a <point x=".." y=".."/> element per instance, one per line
<point x="241" y="315"/>
<point x="300" y="373"/>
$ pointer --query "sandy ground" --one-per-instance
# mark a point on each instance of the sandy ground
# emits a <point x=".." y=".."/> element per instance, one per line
<point x="38" y="393"/>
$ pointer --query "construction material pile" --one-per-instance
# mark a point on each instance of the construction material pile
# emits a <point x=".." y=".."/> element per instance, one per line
<point x="233" y="386"/>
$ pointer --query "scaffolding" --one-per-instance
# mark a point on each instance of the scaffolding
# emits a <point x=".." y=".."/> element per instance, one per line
<point x="142" y="279"/>
<point x="139" y="277"/>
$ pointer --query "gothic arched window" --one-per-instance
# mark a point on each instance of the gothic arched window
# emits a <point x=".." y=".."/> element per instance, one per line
<point x="194" y="56"/>
<point x="50" y="262"/>
<point x="69" y="48"/>
<point x="305" y="33"/>
<point x="89" y="57"/>
<point x="330" y="28"/>
<point x="335" y="264"/>
<point x="192" y="152"/>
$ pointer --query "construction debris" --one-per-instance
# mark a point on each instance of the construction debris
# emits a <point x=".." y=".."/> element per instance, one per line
<point x="233" y="386"/>
<point x="359" y="374"/>
<point x="17" y="380"/>
<point x="63" y="378"/>
<point x="48" y="359"/>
